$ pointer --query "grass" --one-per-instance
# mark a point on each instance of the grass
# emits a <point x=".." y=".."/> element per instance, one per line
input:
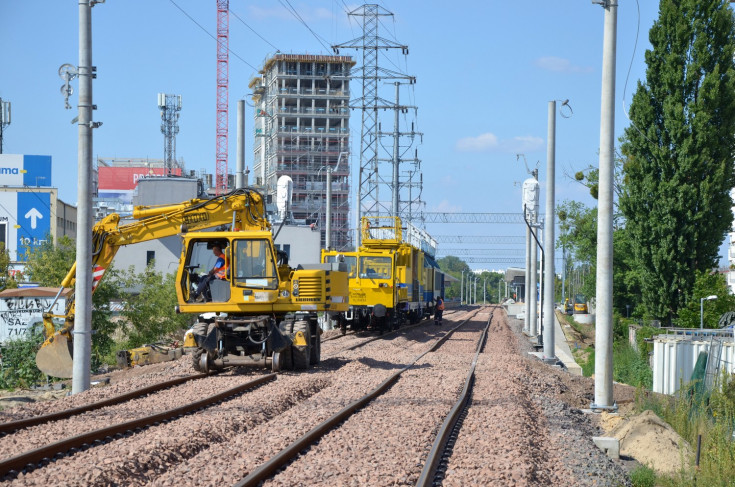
<point x="712" y="417"/>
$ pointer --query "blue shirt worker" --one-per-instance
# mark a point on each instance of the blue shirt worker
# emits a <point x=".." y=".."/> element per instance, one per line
<point x="219" y="271"/>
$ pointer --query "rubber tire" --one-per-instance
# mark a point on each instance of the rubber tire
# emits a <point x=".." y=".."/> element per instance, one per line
<point x="286" y="328"/>
<point x="316" y="348"/>
<point x="302" y="358"/>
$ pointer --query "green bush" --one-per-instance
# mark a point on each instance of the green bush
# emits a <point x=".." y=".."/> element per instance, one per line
<point x="19" y="362"/>
<point x="643" y="476"/>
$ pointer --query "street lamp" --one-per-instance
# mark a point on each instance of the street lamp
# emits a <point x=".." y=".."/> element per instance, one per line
<point x="701" y="309"/>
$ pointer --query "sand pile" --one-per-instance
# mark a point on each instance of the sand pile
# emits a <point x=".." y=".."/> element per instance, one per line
<point x="652" y="442"/>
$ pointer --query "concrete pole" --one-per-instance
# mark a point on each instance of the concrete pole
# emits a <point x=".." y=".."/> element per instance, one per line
<point x="461" y="288"/>
<point x="548" y="308"/>
<point x="527" y="290"/>
<point x="83" y="318"/>
<point x="328" y="205"/>
<point x="603" y="325"/>
<point x="240" y="168"/>
<point x="532" y="323"/>
<point x="396" y="193"/>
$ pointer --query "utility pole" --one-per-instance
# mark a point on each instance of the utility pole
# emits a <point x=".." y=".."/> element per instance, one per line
<point x="241" y="178"/>
<point x="548" y="307"/>
<point x="83" y="288"/>
<point x="603" y="325"/>
<point x="367" y="179"/>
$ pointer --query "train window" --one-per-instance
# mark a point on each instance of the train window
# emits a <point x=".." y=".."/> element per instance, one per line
<point x="350" y="260"/>
<point x="375" y="267"/>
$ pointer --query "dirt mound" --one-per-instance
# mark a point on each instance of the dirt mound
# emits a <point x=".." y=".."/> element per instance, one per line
<point x="652" y="442"/>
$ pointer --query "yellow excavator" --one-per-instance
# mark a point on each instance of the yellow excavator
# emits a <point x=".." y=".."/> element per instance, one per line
<point x="262" y="313"/>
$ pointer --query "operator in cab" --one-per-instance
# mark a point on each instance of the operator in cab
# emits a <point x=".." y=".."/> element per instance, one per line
<point x="219" y="271"/>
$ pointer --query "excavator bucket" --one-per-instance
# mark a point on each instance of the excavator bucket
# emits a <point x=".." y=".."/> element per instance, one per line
<point x="54" y="358"/>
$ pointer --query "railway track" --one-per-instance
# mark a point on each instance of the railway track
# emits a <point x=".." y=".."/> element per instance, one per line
<point x="40" y="457"/>
<point x="288" y="454"/>
<point x="201" y="441"/>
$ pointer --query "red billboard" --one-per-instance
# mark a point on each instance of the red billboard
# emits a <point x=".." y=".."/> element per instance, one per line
<point x="126" y="178"/>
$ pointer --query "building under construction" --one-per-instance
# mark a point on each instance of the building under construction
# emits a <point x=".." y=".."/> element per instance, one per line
<point x="302" y="131"/>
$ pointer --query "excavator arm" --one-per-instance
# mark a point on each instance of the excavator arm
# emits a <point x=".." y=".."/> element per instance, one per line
<point x="243" y="209"/>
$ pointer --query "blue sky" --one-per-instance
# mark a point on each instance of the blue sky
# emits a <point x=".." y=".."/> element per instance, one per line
<point x="485" y="71"/>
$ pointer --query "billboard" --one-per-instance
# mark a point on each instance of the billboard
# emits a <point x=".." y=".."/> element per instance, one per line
<point x="25" y="170"/>
<point x="25" y="221"/>
<point x="120" y="182"/>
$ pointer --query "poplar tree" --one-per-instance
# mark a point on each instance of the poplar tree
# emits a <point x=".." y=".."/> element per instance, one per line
<point x="679" y="151"/>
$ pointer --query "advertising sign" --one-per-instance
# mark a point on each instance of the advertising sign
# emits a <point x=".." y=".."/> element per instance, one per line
<point x="25" y="170"/>
<point x="24" y="221"/>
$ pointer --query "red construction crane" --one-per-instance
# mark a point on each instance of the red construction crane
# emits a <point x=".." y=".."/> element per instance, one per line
<point x="223" y="76"/>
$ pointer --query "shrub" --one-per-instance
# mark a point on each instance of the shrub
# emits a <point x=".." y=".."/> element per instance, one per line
<point x="643" y="476"/>
<point x="19" y="362"/>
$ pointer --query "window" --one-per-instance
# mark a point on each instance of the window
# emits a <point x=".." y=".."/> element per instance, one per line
<point x="254" y="264"/>
<point x="375" y="267"/>
<point x="350" y="260"/>
<point x="150" y="256"/>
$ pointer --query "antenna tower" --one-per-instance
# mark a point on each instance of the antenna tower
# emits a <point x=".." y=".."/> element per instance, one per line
<point x="4" y="119"/>
<point x="367" y="200"/>
<point x="170" y="106"/>
<point x="223" y="34"/>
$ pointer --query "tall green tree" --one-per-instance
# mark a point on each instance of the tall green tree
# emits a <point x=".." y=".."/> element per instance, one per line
<point x="679" y="149"/>
<point x="453" y="266"/>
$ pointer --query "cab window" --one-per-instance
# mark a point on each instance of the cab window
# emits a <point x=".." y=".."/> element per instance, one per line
<point x="375" y="267"/>
<point x="350" y="260"/>
<point x="254" y="264"/>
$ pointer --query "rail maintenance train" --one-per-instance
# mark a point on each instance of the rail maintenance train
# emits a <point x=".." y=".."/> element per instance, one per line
<point x="392" y="279"/>
<point x="262" y="313"/>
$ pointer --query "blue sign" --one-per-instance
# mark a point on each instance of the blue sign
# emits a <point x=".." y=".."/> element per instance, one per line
<point x="37" y="171"/>
<point x="34" y="211"/>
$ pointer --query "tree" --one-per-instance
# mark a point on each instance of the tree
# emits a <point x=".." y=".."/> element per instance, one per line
<point x="151" y="313"/>
<point x="707" y="284"/>
<point x="678" y="151"/>
<point x="6" y="280"/>
<point x="453" y="266"/>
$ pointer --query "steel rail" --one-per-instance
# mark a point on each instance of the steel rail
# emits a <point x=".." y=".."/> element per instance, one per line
<point x="11" y="426"/>
<point x="438" y="449"/>
<point x="270" y="467"/>
<point x="32" y="458"/>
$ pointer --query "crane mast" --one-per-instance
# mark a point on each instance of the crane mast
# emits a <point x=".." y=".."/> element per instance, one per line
<point x="223" y="34"/>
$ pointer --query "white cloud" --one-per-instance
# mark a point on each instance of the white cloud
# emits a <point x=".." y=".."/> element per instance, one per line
<point x="489" y="142"/>
<point x="445" y="206"/>
<point x="524" y="143"/>
<point x="481" y="143"/>
<point x="560" y="65"/>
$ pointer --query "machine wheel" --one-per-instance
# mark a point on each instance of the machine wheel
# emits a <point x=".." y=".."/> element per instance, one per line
<point x="316" y="348"/>
<point x="282" y="361"/>
<point x="201" y="363"/>
<point x="302" y="358"/>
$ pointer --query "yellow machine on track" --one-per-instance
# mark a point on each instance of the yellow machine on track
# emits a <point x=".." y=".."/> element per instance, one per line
<point x="263" y="314"/>
<point x="391" y="280"/>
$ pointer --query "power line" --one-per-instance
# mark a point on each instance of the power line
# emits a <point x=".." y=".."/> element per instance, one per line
<point x="296" y="14"/>
<point x="210" y="35"/>
<point x="254" y="32"/>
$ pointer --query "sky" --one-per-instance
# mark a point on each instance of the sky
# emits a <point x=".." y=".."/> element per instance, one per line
<point x="485" y="74"/>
